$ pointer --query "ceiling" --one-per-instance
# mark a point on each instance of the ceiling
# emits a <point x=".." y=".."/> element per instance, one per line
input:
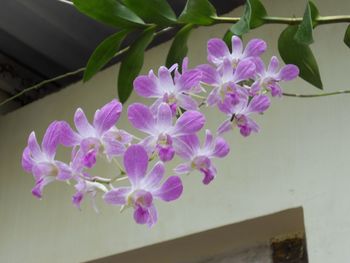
<point x="40" y="39"/>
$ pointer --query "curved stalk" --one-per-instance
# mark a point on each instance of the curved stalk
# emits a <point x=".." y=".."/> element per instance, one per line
<point x="316" y="95"/>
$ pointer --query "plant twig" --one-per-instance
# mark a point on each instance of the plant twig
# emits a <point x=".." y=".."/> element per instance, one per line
<point x="316" y="95"/>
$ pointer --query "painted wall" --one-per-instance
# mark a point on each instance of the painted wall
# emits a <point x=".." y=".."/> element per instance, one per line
<point x="300" y="158"/>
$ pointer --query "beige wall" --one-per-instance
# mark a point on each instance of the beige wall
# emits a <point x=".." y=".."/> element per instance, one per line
<point x="301" y="158"/>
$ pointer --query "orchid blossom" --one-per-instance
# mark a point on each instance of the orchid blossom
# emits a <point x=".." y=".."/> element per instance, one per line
<point x="235" y="82"/>
<point x="145" y="187"/>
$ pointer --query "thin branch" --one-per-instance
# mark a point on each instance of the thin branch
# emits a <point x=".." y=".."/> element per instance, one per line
<point x="315" y="95"/>
<point x="66" y="2"/>
<point x="72" y="73"/>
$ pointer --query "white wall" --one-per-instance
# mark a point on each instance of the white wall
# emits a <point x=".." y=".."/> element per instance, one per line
<point x="300" y="158"/>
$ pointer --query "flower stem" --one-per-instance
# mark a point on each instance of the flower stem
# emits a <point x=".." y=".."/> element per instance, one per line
<point x="316" y="95"/>
<point x="122" y="172"/>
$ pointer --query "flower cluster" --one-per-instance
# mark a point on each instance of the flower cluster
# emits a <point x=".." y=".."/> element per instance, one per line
<point x="236" y="83"/>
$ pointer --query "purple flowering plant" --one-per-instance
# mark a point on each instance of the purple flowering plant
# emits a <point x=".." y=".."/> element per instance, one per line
<point x="236" y="82"/>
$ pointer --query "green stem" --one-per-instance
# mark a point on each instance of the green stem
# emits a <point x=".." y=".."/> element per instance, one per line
<point x="316" y="95"/>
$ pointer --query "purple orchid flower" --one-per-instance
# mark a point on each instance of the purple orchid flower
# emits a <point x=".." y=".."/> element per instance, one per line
<point x="269" y="79"/>
<point x="100" y="137"/>
<point x="238" y="107"/>
<point x="162" y="134"/>
<point x="145" y="187"/>
<point x="223" y="81"/>
<point x="40" y="161"/>
<point x="200" y="157"/>
<point x="164" y="88"/>
<point x="218" y="51"/>
<point x="90" y="188"/>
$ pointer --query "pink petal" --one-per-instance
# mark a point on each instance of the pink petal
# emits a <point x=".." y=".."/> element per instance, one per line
<point x="184" y="168"/>
<point x="208" y="139"/>
<point x="254" y="48"/>
<point x="244" y="71"/>
<point x="106" y="117"/>
<point x="225" y="127"/>
<point x="34" y="146"/>
<point x="164" y="116"/>
<point x="170" y="190"/>
<point x="289" y="72"/>
<point x="221" y="148"/>
<point x="141" y="117"/>
<point x="154" y="177"/>
<point x="186" y="102"/>
<point x="135" y="163"/>
<point x="209" y="74"/>
<point x="141" y="215"/>
<point x="188" y="80"/>
<point x="217" y="49"/>
<point x="51" y="139"/>
<point x="147" y="86"/>
<point x="237" y="46"/>
<point x="64" y="171"/>
<point x="259" y="104"/>
<point x="82" y="124"/>
<point x="27" y="161"/>
<point x="165" y="78"/>
<point x="189" y="122"/>
<point x="68" y="137"/>
<point x="273" y="65"/>
<point x="117" y="196"/>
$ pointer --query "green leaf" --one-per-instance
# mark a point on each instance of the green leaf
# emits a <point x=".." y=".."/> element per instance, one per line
<point x="347" y="37"/>
<point x="110" y="12"/>
<point x="153" y="11"/>
<point x="293" y="52"/>
<point x="103" y="53"/>
<point x="132" y="63"/>
<point x="305" y="28"/>
<point x="227" y="38"/>
<point x="253" y="17"/>
<point x="198" y="12"/>
<point x="178" y="49"/>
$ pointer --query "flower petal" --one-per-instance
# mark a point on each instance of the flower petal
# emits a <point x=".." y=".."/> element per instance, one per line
<point x="106" y="117"/>
<point x="135" y="163"/>
<point x="37" y="191"/>
<point x="27" y="161"/>
<point x="209" y="74"/>
<point x="34" y="146"/>
<point x="147" y="86"/>
<point x="141" y="117"/>
<point x="225" y="127"/>
<point x="82" y="124"/>
<point x="237" y="47"/>
<point x="221" y="148"/>
<point x="289" y="72"/>
<point x="154" y="177"/>
<point x="164" y="117"/>
<point x="141" y="215"/>
<point x="188" y="80"/>
<point x="184" y="168"/>
<point x="273" y="66"/>
<point x="208" y="139"/>
<point x="244" y="71"/>
<point x="189" y="123"/>
<point x="64" y="171"/>
<point x="259" y="104"/>
<point x="217" y="49"/>
<point x="170" y="190"/>
<point x="117" y="196"/>
<point x="186" y="102"/>
<point x="51" y="139"/>
<point x="68" y="137"/>
<point x="254" y="48"/>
